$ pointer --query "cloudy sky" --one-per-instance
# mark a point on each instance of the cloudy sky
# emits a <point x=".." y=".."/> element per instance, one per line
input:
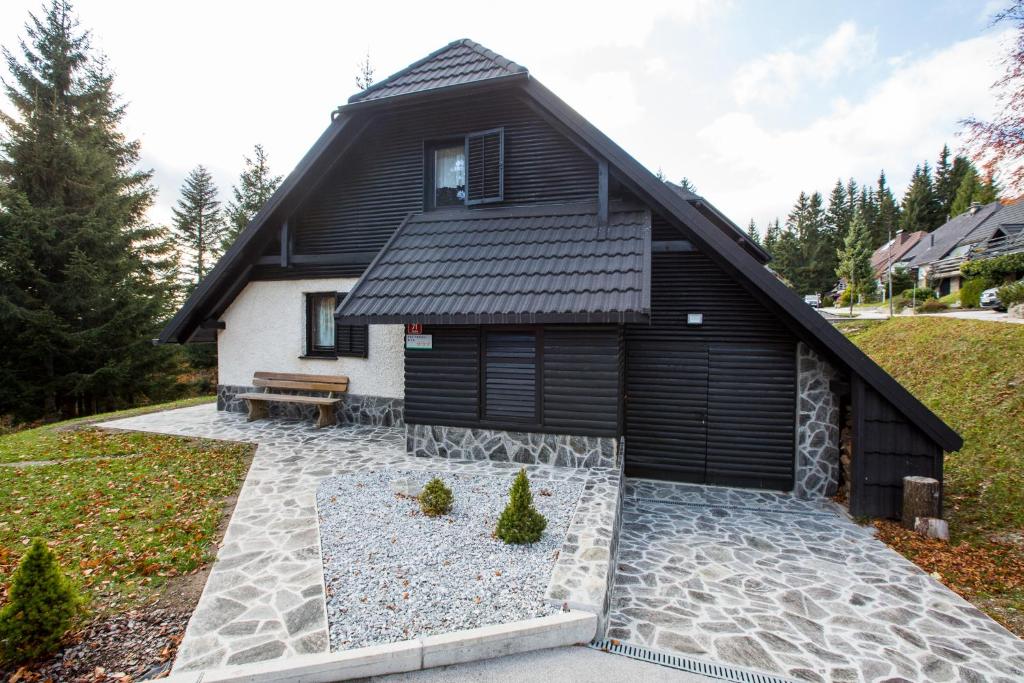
<point x="753" y="101"/>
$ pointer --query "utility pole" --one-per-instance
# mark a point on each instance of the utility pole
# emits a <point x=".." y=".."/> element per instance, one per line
<point x="889" y="270"/>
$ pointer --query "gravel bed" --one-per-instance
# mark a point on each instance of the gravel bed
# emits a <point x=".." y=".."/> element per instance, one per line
<point x="393" y="574"/>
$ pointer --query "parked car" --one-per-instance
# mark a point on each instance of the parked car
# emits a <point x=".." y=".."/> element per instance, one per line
<point x="990" y="298"/>
<point x="812" y="300"/>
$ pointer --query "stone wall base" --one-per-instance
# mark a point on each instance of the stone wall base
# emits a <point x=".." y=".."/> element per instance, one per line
<point x="528" y="448"/>
<point x="817" y="427"/>
<point x="374" y="411"/>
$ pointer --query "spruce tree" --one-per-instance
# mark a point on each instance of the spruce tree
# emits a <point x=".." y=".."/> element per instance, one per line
<point x="840" y="210"/>
<point x="888" y="216"/>
<point x="752" y="233"/>
<point x="948" y="178"/>
<point x="921" y="209"/>
<point x="969" y="187"/>
<point x="199" y="226"/>
<point x="520" y="522"/>
<point x="255" y="185"/>
<point x="364" y="73"/>
<point x="772" y="235"/>
<point x="687" y="185"/>
<point x="80" y="289"/>
<point x="854" y="259"/>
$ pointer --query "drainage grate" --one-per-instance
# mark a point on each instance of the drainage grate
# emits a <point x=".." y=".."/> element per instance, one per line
<point x="808" y="513"/>
<point x="688" y="664"/>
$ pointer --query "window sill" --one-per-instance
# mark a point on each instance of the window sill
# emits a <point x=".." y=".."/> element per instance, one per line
<point x="317" y="357"/>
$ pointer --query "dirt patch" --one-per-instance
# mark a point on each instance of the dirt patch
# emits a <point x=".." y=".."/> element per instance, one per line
<point x="129" y="646"/>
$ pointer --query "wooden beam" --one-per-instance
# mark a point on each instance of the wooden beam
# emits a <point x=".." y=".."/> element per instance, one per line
<point x="319" y="259"/>
<point x="602" y="193"/>
<point x="286" y="245"/>
<point x="212" y="324"/>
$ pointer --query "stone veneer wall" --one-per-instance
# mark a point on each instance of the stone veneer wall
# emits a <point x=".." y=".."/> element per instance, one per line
<point x="816" y="473"/>
<point x="376" y="411"/>
<point x="529" y="448"/>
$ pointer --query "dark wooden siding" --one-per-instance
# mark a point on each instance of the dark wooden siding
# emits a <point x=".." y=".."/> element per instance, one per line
<point x="580" y="382"/>
<point x="887" y="447"/>
<point x="357" y="206"/>
<point x="710" y="403"/>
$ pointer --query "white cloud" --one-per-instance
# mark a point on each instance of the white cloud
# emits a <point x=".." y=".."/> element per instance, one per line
<point x="905" y="118"/>
<point x="775" y="78"/>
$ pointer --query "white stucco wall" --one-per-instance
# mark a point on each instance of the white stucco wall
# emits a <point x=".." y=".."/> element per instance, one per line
<point x="265" y="329"/>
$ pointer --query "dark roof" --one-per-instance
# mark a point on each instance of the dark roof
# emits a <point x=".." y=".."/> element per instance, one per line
<point x="902" y="244"/>
<point x="457" y="63"/>
<point x="723" y="222"/>
<point x="946" y="237"/>
<point x="231" y="272"/>
<point x="509" y="265"/>
<point x="1007" y="215"/>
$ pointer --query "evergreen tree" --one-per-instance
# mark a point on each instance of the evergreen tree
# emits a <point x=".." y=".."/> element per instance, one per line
<point x="687" y="185"/>
<point x="888" y="213"/>
<point x="752" y="233"/>
<point x="772" y="235"/>
<point x="255" y="185"/>
<point x="948" y="177"/>
<point x="854" y="259"/>
<point x="199" y="227"/>
<point x="80" y="294"/>
<point x="921" y="208"/>
<point x="973" y="189"/>
<point x="364" y="75"/>
<point x="840" y="210"/>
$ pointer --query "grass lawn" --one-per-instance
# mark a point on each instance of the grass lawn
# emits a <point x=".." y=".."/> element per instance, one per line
<point x="59" y="440"/>
<point x="971" y="374"/>
<point x="122" y="525"/>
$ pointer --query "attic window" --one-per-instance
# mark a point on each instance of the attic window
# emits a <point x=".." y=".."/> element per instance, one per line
<point x="466" y="171"/>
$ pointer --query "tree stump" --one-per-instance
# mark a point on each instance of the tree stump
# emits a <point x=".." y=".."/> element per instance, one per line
<point x="920" y="499"/>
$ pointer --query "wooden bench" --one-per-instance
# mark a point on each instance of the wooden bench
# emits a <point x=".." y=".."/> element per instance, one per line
<point x="330" y="384"/>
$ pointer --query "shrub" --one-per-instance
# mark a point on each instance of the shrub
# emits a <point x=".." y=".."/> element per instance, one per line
<point x="899" y="302"/>
<point x="994" y="270"/>
<point x="1011" y="294"/>
<point x="844" y="298"/>
<point x="436" y="498"/>
<point x="951" y="298"/>
<point x="41" y="606"/>
<point x="520" y="522"/>
<point x="970" y="292"/>
<point x="932" y="306"/>
<point x="920" y="294"/>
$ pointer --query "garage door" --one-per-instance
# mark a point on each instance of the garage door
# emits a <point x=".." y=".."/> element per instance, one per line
<point x="711" y="413"/>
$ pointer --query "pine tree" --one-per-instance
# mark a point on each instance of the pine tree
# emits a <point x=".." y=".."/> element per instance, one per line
<point x="80" y="292"/>
<point x="199" y="226"/>
<point x="921" y="209"/>
<point x="855" y="258"/>
<point x="255" y="185"/>
<point x="41" y="607"/>
<point x="364" y="75"/>
<point x="519" y="521"/>
<point x="888" y="216"/>
<point x="752" y="233"/>
<point x="687" y="185"/>
<point x="772" y="235"/>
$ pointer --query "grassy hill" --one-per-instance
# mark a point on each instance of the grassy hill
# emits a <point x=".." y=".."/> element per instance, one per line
<point x="971" y="374"/>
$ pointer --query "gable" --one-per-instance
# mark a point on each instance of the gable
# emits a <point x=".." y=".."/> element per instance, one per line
<point x="356" y="207"/>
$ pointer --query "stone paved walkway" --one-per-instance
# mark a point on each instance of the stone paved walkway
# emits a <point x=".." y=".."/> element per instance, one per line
<point x="791" y="588"/>
<point x="264" y="598"/>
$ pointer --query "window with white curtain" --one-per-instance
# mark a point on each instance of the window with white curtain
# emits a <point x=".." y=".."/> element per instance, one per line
<point x="450" y="175"/>
<point x="320" y="324"/>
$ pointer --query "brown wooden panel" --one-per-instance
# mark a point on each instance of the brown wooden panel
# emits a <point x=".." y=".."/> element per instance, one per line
<point x="290" y="398"/>
<point x="300" y="386"/>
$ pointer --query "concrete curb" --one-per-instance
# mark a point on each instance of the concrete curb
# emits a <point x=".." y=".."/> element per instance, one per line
<point x="565" y="628"/>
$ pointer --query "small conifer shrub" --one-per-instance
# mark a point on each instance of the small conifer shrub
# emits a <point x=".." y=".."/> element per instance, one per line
<point x="520" y="522"/>
<point x="41" y="607"/>
<point x="436" y="498"/>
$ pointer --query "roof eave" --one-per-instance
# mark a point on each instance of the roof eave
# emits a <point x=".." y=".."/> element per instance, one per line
<point x="443" y="92"/>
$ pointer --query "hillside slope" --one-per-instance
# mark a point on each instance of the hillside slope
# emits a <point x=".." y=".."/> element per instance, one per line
<point x="971" y="374"/>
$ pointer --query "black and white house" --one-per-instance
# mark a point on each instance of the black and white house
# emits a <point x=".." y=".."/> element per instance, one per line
<point x="497" y="276"/>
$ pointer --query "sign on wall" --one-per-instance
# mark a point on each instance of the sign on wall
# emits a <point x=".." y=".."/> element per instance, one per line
<point x="414" y="328"/>
<point x="419" y="341"/>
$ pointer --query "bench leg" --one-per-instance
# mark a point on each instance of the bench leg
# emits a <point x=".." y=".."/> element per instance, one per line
<point x="258" y="410"/>
<point x="326" y="417"/>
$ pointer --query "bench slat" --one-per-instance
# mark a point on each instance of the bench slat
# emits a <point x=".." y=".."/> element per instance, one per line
<point x="301" y="386"/>
<point x="296" y="377"/>
<point x="289" y="398"/>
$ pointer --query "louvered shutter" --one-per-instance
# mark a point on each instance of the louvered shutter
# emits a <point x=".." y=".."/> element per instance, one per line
<point x="510" y="376"/>
<point x="351" y="340"/>
<point x="485" y="160"/>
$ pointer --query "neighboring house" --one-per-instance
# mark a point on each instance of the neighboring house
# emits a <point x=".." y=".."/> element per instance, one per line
<point x="569" y="308"/>
<point x="980" y="232"/>
<point x="893" y="254"/>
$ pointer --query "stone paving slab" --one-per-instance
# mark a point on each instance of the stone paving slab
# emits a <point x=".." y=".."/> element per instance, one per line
<point x="264" y="598"/>
<point x="760" y="580"/>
